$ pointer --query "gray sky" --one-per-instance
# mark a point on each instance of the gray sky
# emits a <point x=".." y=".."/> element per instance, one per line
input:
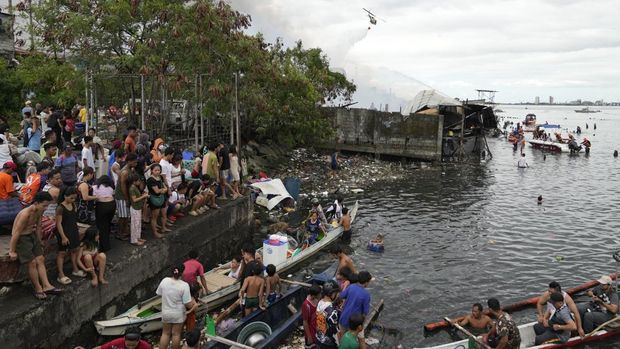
<point x="568" y="49"/>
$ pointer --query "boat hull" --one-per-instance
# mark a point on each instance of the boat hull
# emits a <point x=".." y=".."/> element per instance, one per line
<point x="528" y="337"/>
<point x="118" y="324"/>
<point x="549" y="146"/>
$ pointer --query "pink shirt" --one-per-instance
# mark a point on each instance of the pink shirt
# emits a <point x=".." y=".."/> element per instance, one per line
<point x="193" y="269"/>
<point x="101" y="191"/>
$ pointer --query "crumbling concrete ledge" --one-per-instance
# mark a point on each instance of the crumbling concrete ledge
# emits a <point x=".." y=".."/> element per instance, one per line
<point x="133" y="274"/>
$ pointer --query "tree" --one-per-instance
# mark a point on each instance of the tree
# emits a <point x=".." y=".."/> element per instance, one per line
<point x="173" y="41"/>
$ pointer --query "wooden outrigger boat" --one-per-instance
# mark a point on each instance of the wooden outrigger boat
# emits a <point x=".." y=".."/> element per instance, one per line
<point x="147" y="314"/>
<point x="528" y="336"/>
<point x="519" y="305"/>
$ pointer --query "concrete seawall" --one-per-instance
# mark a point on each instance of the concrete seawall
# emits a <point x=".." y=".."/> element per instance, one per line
<point x="133" y="274"/>
<point x="416" y="136"/>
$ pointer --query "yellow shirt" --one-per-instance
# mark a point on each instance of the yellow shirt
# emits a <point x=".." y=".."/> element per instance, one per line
<point x="83" y="114"/>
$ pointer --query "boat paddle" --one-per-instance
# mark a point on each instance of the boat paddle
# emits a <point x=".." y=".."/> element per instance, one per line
<point x="469" y="334"/>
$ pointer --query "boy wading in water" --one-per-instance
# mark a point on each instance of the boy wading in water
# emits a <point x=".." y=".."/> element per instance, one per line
<point x="345" y="222"/>
<point x="253" y="290"/>
<point x="26" y="245"/>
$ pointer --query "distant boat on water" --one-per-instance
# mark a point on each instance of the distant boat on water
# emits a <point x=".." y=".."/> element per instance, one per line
<point x="586" y="110"/>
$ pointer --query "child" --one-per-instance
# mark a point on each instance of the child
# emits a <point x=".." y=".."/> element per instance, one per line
<point x="345" y="222"/>
<point x="343" y="277"/>
<point x="308" y="314"/>
<point x="273" y="284"/>
<point x="190" y="320"/>
<point x="377" y="240"/>
<point x="313" y="227"/>
<point x="234" y="171"/>
<point x="137" y="198"/>
<point x="253" y="290"/>
<point x="354" y="337"/>
<point x="90" y="259"/>
<point x="177" y="200"/>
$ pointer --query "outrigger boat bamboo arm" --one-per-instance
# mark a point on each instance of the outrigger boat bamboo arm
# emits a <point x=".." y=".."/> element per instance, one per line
<point x="227" y="341"/>
<point x="469" y="334"/>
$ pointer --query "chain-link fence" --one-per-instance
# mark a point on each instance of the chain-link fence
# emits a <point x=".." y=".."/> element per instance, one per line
<point x="162" y="106"/>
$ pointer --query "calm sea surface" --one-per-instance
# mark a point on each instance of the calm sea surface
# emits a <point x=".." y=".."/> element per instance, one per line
<point x="459" y="234"/>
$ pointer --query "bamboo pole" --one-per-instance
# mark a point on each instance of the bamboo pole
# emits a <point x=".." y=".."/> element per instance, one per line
<point x="469" y="334"/>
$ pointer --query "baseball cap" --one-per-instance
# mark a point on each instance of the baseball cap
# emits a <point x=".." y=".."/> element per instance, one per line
<point x="11" y="165"/>
<point x="604" y="280"/>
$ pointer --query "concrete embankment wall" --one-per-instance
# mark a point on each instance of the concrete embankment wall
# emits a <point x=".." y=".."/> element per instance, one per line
<point x="416" y="136"/>
<point x="133" y="275"/>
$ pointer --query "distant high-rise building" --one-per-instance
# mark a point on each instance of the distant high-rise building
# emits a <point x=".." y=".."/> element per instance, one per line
<point x="537" y="101"/>
<point x="550" y="99"/>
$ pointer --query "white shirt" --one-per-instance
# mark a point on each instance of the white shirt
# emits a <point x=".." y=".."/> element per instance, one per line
<point x="175" y="196"/>
<point x="166" y="170"/>
<point x="522" y="163"/>
<point x="87" y="154"/>
<point x="174" y="295"/>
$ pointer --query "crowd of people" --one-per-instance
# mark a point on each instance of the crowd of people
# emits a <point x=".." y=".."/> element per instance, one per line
<point x="83" y="191"/>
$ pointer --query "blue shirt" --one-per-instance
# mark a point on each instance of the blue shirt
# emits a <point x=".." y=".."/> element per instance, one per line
<point x="357" y="301"/>
<point x="34" y="140"/>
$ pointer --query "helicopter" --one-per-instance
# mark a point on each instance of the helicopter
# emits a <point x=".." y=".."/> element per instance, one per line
<point x="372" y="17"/>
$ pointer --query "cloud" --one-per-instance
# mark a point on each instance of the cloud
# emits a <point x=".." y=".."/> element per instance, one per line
<point x="524" y="48"/>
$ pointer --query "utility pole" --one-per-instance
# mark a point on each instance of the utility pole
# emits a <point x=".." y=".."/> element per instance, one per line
<point x="196" y="112"/>
<point x="142" y="103"/>
<point x="31" y="27"/>
<point x="237" y="112"/>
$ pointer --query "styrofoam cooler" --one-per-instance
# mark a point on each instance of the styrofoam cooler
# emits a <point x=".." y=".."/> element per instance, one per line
<point x="274" y="251"/>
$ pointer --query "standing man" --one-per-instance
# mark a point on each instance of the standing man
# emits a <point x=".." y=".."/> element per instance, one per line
<point x="357" y="300"/>
<point x="505" y="333"/>
<point x="194" y="271"/>
<point x="88" y="159"/>
<point x="210" y="164"/>
<point x="130" y="140"/>
<point x="602" y="307"/>
<point x="98" y="153"/>
<point x="522" y="163"/>
<point x="345" y="222"/>
<point x="327" y="315"/>
<point x="68" y="165"/>
<point x="26" y="246"/>
<point x="121" y="195"/>
<point x="224" y="162"/>
<point x="27" y="109"/>
<point x="166" y="166"/>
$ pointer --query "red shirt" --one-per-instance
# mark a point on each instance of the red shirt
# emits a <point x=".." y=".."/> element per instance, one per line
<point x="119" y="343"/>
<point x="193" y="269"/>
<point x="308" y="313"/>
<point x="130" y="145"/>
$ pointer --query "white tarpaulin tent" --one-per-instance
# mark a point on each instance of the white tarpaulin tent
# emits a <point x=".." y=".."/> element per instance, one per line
<point x="428" y="99"/>
<point x="268" y="188"/>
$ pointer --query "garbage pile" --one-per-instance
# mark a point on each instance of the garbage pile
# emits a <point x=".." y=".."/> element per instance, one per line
<point x="355" y="173"/>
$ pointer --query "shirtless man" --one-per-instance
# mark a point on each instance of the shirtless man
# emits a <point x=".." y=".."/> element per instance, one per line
<point x="343" y="259"/>
<point x="253" y="291"/>
<point x="544" y="304"/>
<point x="26" y="245"/>
<point x="345" y="222"/>
<point x="477" y="320"/>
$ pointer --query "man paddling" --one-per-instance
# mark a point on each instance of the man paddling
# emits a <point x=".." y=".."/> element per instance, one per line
<point x="559" y="322"/>
<point x="602" y="307"/>
<point x="504" y="334"/>
<point x="476" y="320"/>
<point x="545" y="305"/>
